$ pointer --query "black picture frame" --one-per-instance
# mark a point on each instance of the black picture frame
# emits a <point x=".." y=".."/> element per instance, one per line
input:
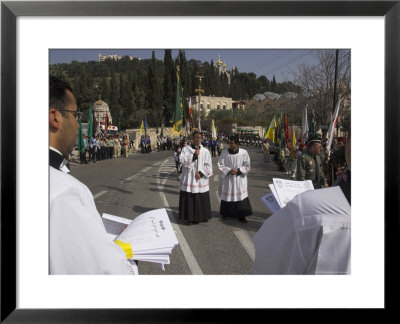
<point x="9" y="13"/>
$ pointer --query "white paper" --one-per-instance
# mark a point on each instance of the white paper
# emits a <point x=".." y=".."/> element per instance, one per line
<point x="114" y="224"/>
<point x="272" y="187"/>
<point x="288" y="189"/>
<point x="150" y="235"/>
<point x="271" y="202"/>
<point x="151" y="230"/>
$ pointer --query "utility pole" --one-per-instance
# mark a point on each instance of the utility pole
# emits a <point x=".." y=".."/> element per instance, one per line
<point x="335" y="89"/>
<point x="199" y="91"/>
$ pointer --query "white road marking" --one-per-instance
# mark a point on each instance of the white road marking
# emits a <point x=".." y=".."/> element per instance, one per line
<point x="247" y="242"/>
<point x="135" y="175"/>
<point x="187" y="252"/>
<point x="146" y="169"/>
<point x="129" y="179"/>
<point x="100" y="194"/>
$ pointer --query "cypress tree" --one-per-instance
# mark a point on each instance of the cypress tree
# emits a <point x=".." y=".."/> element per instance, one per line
<point x="169" y="86"/>
<point x="154" y="95"/>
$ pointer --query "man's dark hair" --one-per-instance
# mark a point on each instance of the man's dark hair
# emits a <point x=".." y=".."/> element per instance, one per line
<point x="234" y="138"/>
<point x="196" y="132"/>
<point x="57" y="88"/>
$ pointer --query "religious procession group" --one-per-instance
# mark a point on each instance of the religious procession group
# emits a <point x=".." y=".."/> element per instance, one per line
<point x="102" y="148"/>
<point x="194" y="165"/>
<point x="310" y="158"/>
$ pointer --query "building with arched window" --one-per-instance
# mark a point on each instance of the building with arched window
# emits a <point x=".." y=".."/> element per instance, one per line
<point x="211" y="103"/>
<point x="100" y="111"/>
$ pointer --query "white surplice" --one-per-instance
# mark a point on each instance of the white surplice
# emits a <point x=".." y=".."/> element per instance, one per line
<point x="233" y="187"/>
<point x="311" y="235"/>
<point x="78" y="240"/>
<point x="189" y="169"/>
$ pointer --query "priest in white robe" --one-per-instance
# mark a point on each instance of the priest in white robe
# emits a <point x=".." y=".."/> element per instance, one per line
<point x="194" y="197"/>
<point x="234" y="164"/>
<point x="78" y="240"/>
<point x="310" y="235"/>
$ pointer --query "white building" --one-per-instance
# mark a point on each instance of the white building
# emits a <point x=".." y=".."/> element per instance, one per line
<point x="115" y="57"/>
<point x="211" y="103"/>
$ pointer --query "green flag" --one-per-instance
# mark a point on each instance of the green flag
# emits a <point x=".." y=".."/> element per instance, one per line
<point x="81" y="145"/>
<point x="90" y="123"/>
<point x="312" y="124"/>
<point x="177" y="117"/>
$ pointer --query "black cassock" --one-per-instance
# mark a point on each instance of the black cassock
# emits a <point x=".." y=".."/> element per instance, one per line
<point x="194" y="207"/>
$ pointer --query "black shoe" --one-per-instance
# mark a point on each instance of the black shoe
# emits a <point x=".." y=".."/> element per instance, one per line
<point x="243" y="220"/>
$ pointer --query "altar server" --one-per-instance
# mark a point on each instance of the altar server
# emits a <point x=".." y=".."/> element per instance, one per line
<point x="78" y="240"/>
<point x="194" y="197"/>
<point x="234" y="164"/>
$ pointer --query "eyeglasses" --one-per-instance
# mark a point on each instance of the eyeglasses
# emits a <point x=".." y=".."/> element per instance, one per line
<point x="76" y="115"/>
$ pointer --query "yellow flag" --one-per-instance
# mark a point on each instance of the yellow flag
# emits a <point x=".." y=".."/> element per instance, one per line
<point x="141" y="130"/>
<point x="293" y="137"/>
<point x="271" y="130"/>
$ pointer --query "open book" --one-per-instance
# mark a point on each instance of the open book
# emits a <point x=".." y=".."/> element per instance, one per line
<point x="283" y="191"/>
<point x="149" y="237"/>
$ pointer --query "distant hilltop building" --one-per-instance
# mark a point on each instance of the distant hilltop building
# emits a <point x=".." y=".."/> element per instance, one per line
<point x="114" y="57"/>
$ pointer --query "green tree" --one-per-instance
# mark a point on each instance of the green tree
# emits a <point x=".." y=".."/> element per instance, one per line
<point x="273" y="84"/>
<point x="169" y="86"/>
<point x="154" y="95"/>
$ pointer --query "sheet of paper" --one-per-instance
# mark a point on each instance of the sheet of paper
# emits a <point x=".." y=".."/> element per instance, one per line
<point x="151" y="230"/>
<point x="270" y="201"/>
<point x="159" y="259"/>
<point x="114" y="224"/>
<point x="288" y="189"/>
<point x="272" y="187"/>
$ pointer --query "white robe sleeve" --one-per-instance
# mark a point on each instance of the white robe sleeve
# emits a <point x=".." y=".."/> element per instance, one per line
<point x="221" y="163"/>
<point x="205" y="163"/>
<point x="78" y="240"/>
<point x="245" y="168"/>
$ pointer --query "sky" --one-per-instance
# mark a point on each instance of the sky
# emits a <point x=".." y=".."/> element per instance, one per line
<point x="272" y="62"/>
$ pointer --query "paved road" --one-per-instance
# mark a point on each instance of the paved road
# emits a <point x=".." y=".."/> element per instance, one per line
<point x="130" y="186"/>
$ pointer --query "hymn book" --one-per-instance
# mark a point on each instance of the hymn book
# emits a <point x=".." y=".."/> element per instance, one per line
<point x="149" y="237"/>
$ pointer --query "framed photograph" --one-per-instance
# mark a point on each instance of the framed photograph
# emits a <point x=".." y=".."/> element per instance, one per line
<point x="29" y="29"/>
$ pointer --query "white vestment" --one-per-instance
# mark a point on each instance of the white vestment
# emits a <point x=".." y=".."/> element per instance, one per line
<point x="310" y="235"/>
<point x="190" y="167"/>
<point x="78" y="240"/>
<point x="233" y="187"/>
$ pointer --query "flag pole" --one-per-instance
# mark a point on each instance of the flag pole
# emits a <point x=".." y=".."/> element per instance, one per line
<point x="199" y="91"/>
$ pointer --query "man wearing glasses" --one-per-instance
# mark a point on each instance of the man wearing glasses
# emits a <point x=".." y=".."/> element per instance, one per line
<point x="78" y="240"/>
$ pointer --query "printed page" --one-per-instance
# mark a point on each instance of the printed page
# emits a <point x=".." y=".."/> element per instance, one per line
<point x="288" y="189"/>
<point x="149" y="231"/>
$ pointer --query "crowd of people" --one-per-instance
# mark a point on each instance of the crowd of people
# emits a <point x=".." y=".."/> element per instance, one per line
<point x="311" y="160"/>
<point x="294" y="240"/>
<point x="102" y="148"/>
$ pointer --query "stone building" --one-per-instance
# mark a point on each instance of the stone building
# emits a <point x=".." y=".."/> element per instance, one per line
<point x="100" y="111"/>
<point x="209" y="103"/>
<point x="289" y="102"/>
